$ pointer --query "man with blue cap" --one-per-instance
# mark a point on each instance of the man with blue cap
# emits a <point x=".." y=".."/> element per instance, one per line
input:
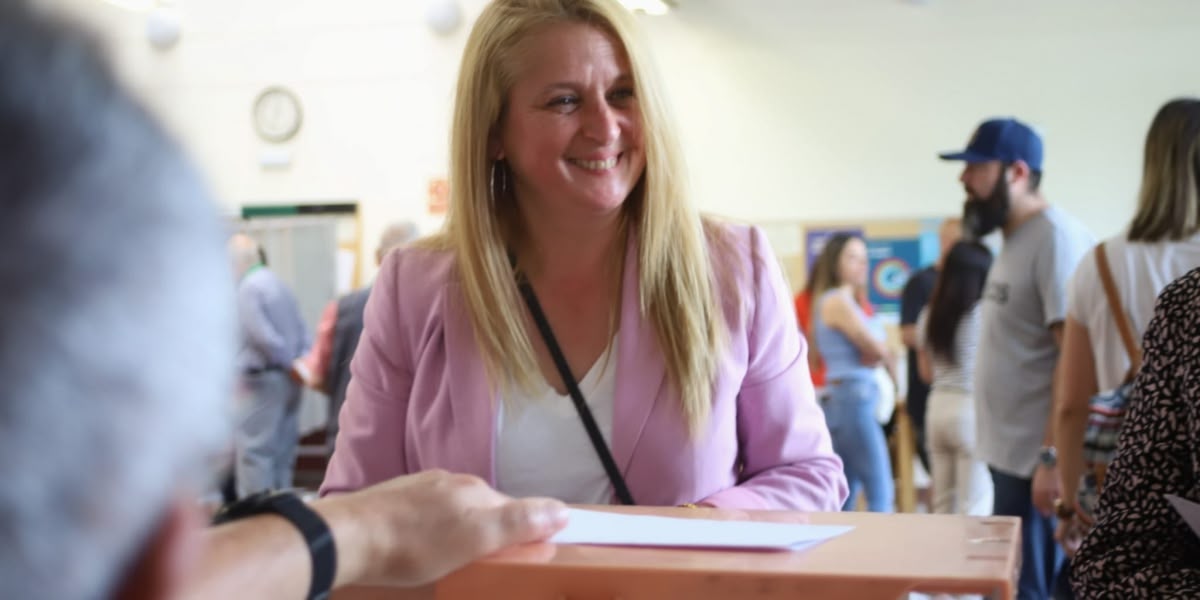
<point x="1025" y="304"/>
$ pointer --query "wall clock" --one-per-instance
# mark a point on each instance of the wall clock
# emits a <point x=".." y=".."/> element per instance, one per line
<point x="277" y="114"/>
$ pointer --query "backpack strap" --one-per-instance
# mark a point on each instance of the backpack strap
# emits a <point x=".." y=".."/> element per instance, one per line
<point x="1132" y="348"/>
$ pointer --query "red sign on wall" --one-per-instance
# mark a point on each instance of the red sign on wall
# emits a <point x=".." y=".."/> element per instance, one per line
<point x="439" y="196"/>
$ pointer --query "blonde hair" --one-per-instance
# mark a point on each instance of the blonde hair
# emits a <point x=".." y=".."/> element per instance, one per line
<point x="677" y="288"/>
<point x="1169" y="200"/>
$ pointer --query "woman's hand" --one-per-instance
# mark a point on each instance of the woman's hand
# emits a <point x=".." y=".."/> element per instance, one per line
<point x="1070" y="533"/>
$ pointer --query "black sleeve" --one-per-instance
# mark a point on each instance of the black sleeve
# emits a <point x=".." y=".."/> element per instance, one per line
<point x="914" y="297"/>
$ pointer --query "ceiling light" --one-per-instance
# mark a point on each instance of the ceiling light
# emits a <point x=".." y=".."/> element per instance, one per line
<point x="134" y="5"/>
<point x="650" y="7"/>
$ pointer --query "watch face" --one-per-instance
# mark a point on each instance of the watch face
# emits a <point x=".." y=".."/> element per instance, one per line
<point x="277" y="114"/>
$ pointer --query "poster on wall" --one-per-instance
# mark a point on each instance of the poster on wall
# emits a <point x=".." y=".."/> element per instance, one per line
<point x="892" y="261"/>
<point x="815" y="238"/>
<point x="438" y="197"/>
<point x="931" y="241"/>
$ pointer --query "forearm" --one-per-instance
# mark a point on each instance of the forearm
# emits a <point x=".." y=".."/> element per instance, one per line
<point x="317" y="359"/>
<point x="1069" y="429"/>
<point x="266" y="556"/>
<point x="1056" y="385"/>
<point x="924" y="366"/>
<point x="1055" y="399"/>
<point x="1048" y="432"/>
<point x="788" y="461"/>
<point x="270" y="346"/>
<point x="872" y="350"/>
<point x="889" y="364"/>
<point x="815" y="485"/>
<point x="1075" y="384"/>
<point x="840" y="315"/>
<point x="259" y="557"/>
<point x="259" y="330"/>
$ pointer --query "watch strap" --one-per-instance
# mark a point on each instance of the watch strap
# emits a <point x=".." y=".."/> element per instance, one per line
<point x="1048" y="457"/>
<point x="316" y="533"/>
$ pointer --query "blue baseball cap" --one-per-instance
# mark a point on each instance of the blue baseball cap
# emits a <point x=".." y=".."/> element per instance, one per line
<point x="1006" y="140"/>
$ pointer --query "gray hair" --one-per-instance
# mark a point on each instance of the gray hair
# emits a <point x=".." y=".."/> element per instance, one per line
<point x="245" y="252"/>
<point x="394" y="235"/>
<point x="116" y="337"/>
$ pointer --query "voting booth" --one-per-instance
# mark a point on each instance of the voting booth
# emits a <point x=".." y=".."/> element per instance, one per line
<point x="863" y="556"/>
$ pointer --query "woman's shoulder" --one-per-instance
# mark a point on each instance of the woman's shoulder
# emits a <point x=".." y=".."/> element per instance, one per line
<point x="1122" y="256"/>
<point x="1176" y="316"/>
<point x="738" y="250"/>
<point x="1084" y="284"/>
<point x="420" y="270"/>
<point x="1182" y="296"/>
<point x="729" y="236"/>
<point x="748" y="275"/>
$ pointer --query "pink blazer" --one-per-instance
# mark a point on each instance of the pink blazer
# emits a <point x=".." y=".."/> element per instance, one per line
<point x="420" y="397"/>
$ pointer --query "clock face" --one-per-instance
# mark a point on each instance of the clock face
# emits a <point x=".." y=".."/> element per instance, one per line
<point x="277" y="114"/>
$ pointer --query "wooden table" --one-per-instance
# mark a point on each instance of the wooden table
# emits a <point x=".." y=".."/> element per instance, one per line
<point x="885" y="556"/>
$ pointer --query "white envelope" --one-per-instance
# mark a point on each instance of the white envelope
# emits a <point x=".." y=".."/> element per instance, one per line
<point x="1190" y="511"/>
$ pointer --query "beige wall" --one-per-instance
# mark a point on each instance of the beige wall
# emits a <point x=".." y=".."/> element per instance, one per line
<point x="832" y="111"/>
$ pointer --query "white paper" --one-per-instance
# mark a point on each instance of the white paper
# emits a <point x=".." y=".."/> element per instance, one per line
<point x="1190" y="511"/>
<point x="612" y="529"/>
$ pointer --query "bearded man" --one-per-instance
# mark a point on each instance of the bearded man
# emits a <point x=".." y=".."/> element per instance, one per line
<point x="1025" y="303"/>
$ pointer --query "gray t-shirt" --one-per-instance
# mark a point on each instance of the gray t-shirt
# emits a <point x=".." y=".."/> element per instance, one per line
<point x="1026" y="293"/>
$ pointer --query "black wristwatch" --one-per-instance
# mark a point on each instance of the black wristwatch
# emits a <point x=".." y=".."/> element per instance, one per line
<point x="316" y="533"/>
<point x="1048" y="457"/>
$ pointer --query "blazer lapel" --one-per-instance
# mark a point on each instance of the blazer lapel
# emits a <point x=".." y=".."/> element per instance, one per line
<point x="469" y="443"/>
<point x="640" y="366"/>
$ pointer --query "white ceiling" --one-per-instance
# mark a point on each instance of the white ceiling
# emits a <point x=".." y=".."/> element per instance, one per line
<point x="787" y="23"/>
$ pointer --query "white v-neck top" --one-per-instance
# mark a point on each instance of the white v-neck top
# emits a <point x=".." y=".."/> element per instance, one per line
<point x="542" y="447"/>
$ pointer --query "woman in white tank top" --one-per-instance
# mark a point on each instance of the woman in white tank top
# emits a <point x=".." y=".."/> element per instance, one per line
<point x="1161" y="244"/>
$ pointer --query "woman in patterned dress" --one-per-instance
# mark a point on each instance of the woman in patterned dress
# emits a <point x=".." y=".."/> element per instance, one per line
<point x="1140" y="547"/>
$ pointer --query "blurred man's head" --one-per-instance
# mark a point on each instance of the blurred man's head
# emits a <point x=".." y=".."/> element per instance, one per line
<point x="244" y="253"/>
<point x="116" y="329"/>
<point x="394" y="236"/>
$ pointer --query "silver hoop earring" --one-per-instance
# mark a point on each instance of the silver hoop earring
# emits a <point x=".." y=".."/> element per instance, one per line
<point x="492" y="182"/>
<point x="492" y="190"/>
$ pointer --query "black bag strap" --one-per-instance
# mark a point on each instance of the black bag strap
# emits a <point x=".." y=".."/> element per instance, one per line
<point x="585" y="413"/>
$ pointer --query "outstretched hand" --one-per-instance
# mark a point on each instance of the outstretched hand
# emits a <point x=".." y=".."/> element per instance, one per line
<point x="421" y="527"/>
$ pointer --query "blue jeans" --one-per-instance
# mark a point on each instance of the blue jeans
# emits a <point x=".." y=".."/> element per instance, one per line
<point x="858" y="440"/>
<point x="1041" y="558"/>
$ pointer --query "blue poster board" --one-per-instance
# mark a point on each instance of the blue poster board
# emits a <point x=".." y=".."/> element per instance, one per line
<point x="892" y="261"/>
<point x="931" y="242"/>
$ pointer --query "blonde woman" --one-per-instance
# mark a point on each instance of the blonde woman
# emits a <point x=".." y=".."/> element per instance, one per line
<point x="679" y="375"/>
<point x="1161" y="244"/>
